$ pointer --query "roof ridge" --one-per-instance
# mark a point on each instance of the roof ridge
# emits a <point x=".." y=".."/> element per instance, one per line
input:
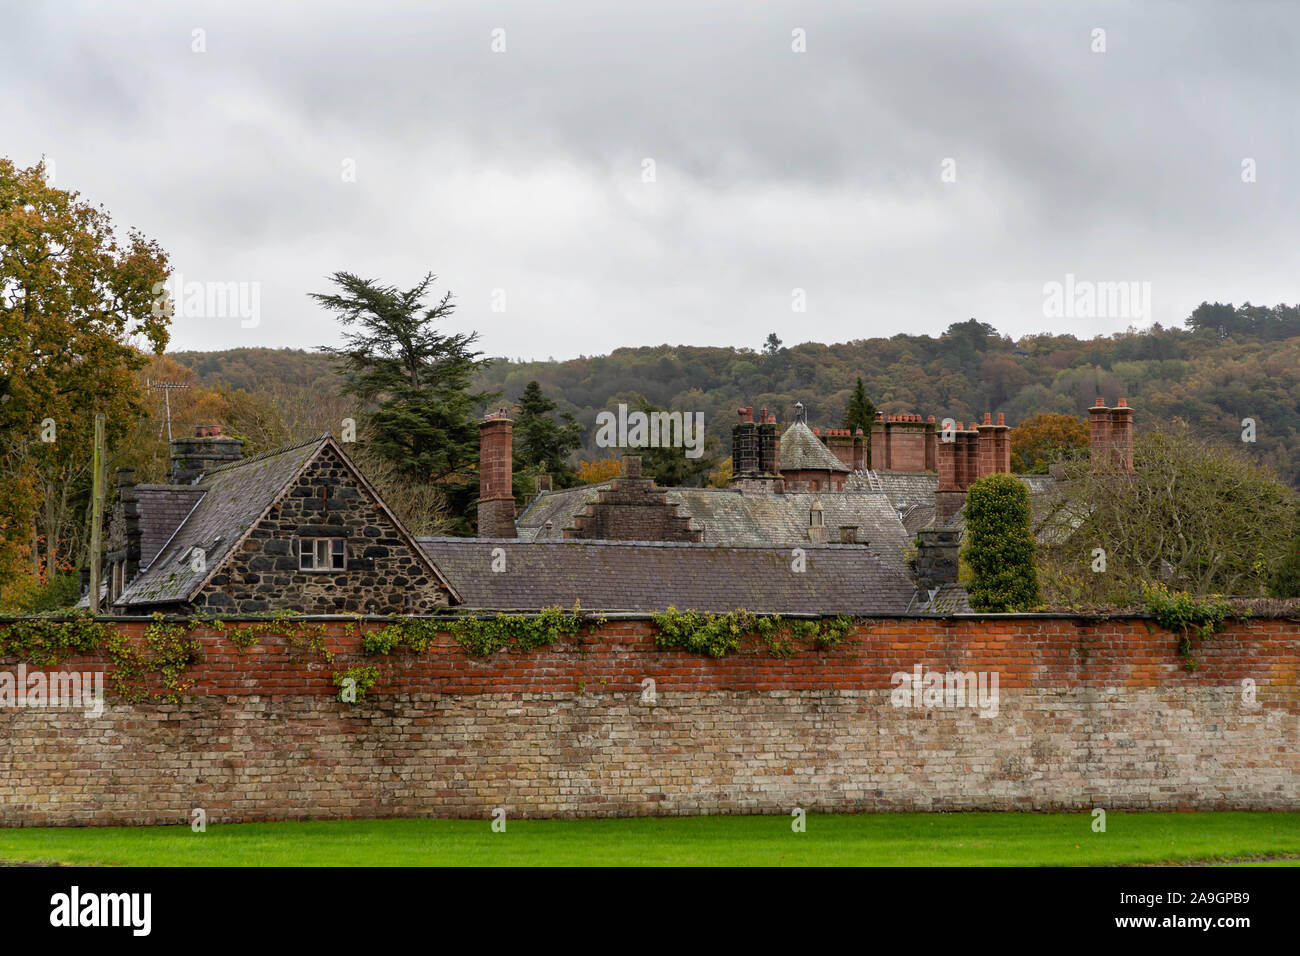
<point x="262" y="456"/>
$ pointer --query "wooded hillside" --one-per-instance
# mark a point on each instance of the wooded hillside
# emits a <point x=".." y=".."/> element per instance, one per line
<point x="1229" y="364"/>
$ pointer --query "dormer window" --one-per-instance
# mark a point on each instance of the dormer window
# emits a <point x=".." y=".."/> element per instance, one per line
<point x="816" y="516"/>
<point x="322" y="554"/>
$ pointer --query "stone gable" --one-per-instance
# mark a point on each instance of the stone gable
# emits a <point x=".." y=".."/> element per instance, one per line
<point x="384" y="572"/>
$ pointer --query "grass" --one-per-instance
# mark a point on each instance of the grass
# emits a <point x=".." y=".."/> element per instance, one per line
<point x="918" y="839"/>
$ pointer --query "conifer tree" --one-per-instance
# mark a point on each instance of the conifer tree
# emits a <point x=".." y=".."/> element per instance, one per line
<point x="861" y="414"/>
<point x="414" y="384"/>
<point x="540" y="439"/>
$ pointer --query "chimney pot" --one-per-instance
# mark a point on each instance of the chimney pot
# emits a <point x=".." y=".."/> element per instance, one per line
<point x="1002" y="419"/>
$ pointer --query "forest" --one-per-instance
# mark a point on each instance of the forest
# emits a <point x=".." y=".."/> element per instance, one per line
<point x="1228" y="364"/>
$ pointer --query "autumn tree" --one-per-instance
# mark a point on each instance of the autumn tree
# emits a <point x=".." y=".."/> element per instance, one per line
<point x="1194" y="515"/>
<point x="600" y="470"/>
<point x="1045" y="439"/>
<point x="414" y="383"/>
<point x="79" y="309"/>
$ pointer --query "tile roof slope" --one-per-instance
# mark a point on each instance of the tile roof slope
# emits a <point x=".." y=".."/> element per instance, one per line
<point x="652" y="576"/>
<point x="802" y="450"/>
<point x="234" y="497"/>
<point x="730" y="518"/>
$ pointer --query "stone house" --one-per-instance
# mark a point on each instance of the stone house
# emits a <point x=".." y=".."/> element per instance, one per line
<point x="297" y="528"/>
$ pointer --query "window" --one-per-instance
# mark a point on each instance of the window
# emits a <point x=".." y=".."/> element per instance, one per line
<point x="322" y="554"/>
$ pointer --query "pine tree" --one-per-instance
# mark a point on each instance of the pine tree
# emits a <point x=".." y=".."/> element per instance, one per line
<point x="413" y="382"/>
<point x="541" y="440"/>
<point x="861" y="414"/>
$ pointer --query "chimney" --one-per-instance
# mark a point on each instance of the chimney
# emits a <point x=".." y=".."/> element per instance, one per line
<point x="769" y="446"/>
<point x="744" y="444"/>
<point x="125" y="537"/>
<point x="631" y="466"/>
<point x="957" y="463"/>
<point x="1121" y="436"/>
<point x="1099" y="436"/>
<point x="936" y="557"/>
<point x="994" y="447"/>
<point x="192" y="457"/>
<point x="496" y="497"/>
<point x="1002" y="453"/>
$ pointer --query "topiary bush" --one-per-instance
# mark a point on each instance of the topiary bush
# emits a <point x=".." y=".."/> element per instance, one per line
<point x="999" y="546"/>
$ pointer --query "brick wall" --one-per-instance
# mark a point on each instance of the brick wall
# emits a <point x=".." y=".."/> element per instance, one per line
<point x="632" y="508"/>
<point x="1091" y="713"/>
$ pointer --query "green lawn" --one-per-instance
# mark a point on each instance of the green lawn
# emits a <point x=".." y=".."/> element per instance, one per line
<point x="959" y="839"/>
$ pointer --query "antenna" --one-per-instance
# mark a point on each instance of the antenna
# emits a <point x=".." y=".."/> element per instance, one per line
<point x="167" y="396"/>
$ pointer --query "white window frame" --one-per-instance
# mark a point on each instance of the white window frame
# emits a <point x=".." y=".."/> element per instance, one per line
<point x="322" y="553"/>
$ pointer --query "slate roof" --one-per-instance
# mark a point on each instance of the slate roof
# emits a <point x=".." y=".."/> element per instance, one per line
<point x="733" y="519"/>
<point x="653" y="576"/>
<point x="162" y="509"/>
<point x="907" y="488"/>
<point x="232" y="500"/>
<point x="801" y="449"/>
<point x="234" y="496"/>
<point x="946" y="599"/>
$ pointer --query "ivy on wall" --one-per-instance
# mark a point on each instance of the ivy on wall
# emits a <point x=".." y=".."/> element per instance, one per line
<point x="717" y="635"/>
<point x="1187" y="616"/>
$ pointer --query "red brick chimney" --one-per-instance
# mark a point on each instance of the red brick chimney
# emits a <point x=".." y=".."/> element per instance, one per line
<point x="994" y="447"/>
<point x="496" y="498"/>
<point x="1121" y="436"/>
<point x="1099" y="435"/>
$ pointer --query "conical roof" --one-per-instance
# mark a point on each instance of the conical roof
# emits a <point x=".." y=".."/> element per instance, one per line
<point x="801" y="450"/>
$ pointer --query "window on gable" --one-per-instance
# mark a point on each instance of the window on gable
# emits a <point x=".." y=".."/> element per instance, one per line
<point x="322" y="554"/>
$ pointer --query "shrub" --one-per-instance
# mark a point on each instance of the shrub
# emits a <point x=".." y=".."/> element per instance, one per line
<point x="999" y="546"/>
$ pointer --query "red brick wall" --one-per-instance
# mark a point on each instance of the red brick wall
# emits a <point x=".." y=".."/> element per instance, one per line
<point x="1092" y="713"/>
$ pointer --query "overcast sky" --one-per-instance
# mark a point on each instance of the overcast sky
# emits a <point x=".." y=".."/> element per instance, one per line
<point x="916" y="165"/>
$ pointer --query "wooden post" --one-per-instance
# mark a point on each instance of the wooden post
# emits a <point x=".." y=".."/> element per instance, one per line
<point x="97" y="513"/>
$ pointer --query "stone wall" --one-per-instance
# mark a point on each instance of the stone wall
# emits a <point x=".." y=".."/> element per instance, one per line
<point x="1090" y="713"/>
<point x="383" y="572"/>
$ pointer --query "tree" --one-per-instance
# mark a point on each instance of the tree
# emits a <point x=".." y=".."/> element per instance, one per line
<point x="670" y="466"/>
<point x="542" y="443"/>
<point x="78" y="305"/>
<point x="600" y="470"/>
<point x="861" y="414"/>
<point x="413" y="383"/>
<point x="1044" y="439"/>
<point x="999" y="545"/>
<point x="772" y="346"/>
<point x="1285" y="582"/>
<point x="1194" y="515"/>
